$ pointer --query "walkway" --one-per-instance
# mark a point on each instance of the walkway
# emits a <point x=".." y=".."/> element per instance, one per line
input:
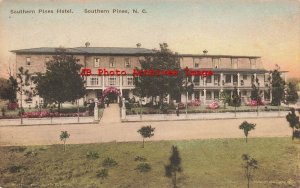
<point x="124" y="132"/>
<point x="111" y="114"/>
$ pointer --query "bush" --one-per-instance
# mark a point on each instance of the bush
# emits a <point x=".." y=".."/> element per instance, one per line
<point x="139" y="158"/>
<point x="143" y="167"/>
<point x="18" y="149"/>
<point x="109" y="162"/>
<point x="16" y="168"/>
<point x="103" y="173"/>
<point x="12" y="106"/>
<point x="3" y="111"/>
<point x="92" y="155"/>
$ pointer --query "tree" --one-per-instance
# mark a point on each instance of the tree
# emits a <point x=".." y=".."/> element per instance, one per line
<point x="20" y="85"/>
<point x="62" y="81"/>
<point x="64" y="135"/>
<point x="174" y="166"/>
<point x="293" y="121"/>
<point x="256" y="92"/>
<point x="146" y="132"/>
<point x="236" y="99"/>
<point x="225" y="97"/>
<point x="277" y="87"/>
<point x="7" y="90"/>
<point x="247" y="127"/>
<point x="152" y="86"/>
<point x="291" y="94"/>
<point x="250" y="165"/>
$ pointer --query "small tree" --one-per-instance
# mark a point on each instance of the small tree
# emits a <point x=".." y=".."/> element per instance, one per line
<point x="291" y="94"/>
<point x="64" y="135"/>
<point x="174" y="166"/>
<point x="256" y="92"/>
<point x="293" y="121"/>
<point x="225" y="97"/>
<point x="146" y="132"/>
<point x="236" y="99"/>
<point x="247" y="127"/>
<point x="250" y="165"/>
<point x="277" y="87"/>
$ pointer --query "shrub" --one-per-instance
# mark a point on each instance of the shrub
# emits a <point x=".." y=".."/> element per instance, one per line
<point x="18" y="149"/>
<point x="195" y="102"/>
<point x="213" y="105"/>
<point x="255" y="103"/>
<point x="12" y="106"/>
<point x="103" y="173"/>
<point x="16" y="168"/>
<point x="143" y="167"/>
<point x="3" y="111"/>
<point x="139" y="158"/>
<point x="31" y="153"/>
<point x="109" y="162"/>
<point x="92" y="155"/>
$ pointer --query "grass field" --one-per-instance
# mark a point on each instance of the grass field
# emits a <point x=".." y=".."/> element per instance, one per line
<point x="206" y="163"/>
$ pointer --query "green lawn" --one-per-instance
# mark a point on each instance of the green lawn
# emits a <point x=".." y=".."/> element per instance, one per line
<point x="206" y="163"/>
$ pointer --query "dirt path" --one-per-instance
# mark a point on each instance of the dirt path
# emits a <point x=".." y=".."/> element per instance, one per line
<point x="120" y="132"/>
<point x="111" y="114"/>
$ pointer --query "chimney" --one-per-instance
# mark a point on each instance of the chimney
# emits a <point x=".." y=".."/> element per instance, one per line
<point x="205" y="52"/>
<point x="87" y="44"/>
<point x="138" y="45"/>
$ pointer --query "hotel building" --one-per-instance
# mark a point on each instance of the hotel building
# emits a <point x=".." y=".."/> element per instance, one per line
<point x="229" y="71"/>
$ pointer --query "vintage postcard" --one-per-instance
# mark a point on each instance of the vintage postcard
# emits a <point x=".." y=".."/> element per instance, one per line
<point x="149" y="93"/>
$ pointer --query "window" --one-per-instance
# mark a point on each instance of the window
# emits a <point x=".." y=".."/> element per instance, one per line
<point x="112" y="81"/>
<point x="216" y="94"/>
<point x="28" y="61"/>
<point x="127" y="63"/>
<point x="234" y="63"/>
<point x="228" y="78"/>
<point x="94" y="81"/>
<point x="112" y="62"/>
<point x="216" y="63"/>
<point x="97" y="62"/>
<point x="208" y="95"/>
<point x="216" y="79"/>
<point x="196" y="63"/>
<point x="130" y="81"/>
<point x="245" y="77"/>
<point x="208" y="79"/>
<point x="252" y="63"/>
<point x="244" y="93"/>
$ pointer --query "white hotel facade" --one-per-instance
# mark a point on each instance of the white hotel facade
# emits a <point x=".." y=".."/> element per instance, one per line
<point x="229" y="71"/>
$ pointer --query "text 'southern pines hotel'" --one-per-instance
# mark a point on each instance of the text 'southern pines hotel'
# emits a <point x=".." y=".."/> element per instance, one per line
<point x="229" y="71"/>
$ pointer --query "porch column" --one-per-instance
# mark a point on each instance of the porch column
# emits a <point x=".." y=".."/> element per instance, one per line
<point x="239" y="82"/>
<point x="121" y="85"/>
<point x="254" y="77"/>
<point x="212" y="95"/>
<point x="103" y="82"/>
<point x="221" y="79"/>
<point x="193" y="96"/>
<point x="204" y="92"/>
<point x="213" y="79"/>
<point x="231" y="79"/>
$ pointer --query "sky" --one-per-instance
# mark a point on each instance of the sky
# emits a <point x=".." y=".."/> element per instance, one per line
<point x="266" y="28"/>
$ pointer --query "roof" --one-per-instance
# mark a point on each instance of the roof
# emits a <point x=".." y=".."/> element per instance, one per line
<point x="217" y="56"/>
<point x="88" y="50"/>
<point x="114" y="51"/>
<point x="227" y="70"/>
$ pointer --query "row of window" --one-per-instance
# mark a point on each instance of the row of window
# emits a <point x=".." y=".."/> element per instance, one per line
<point x="112" y="64"/>
<point x="234" y="63"/>
<point x="111" y="81"/>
